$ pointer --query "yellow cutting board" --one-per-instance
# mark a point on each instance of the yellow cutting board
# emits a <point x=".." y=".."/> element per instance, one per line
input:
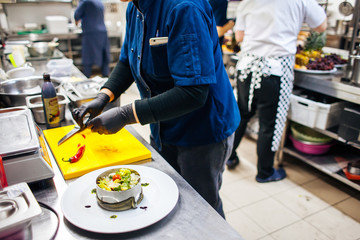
<point x="100" y="150"/>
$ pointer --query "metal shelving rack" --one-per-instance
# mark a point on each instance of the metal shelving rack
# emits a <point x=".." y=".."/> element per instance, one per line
<point x="332" y="86"/>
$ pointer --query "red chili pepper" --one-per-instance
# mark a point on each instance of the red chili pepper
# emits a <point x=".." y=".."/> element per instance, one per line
<point x="77" y="156"/>
<point x="83" y="136"/>
<point x="79" y="145"/>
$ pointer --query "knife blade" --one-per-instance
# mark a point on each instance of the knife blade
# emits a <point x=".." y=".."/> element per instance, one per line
<point x="75" y="130"/>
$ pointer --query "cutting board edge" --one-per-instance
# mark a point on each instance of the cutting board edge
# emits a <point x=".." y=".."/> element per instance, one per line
<point x="68" y="176"/>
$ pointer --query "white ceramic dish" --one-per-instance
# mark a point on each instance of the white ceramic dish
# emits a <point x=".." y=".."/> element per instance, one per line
<point x="316" y="71"/>
<point x="80" y="207"/>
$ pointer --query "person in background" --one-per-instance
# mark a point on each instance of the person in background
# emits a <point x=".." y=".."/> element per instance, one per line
<point x="222" y="23"/>
<point x="95" y="43"/>
<point x="171" y="52"/>
<point x="268" y="31"/>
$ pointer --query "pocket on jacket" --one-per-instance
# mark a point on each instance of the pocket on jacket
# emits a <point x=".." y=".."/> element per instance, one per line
<point x="160" y="61"/>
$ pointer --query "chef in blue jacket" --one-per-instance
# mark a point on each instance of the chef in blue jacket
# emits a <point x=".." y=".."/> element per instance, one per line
<point x="95" y="42"/>
<point x="171" y="51"/>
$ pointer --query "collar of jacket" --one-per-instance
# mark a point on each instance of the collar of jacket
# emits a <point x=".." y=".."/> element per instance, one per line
<point x="144" y="5"/>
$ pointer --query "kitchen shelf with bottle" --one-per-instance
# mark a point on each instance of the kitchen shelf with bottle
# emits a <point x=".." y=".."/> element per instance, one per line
<point x="343" y="151"/>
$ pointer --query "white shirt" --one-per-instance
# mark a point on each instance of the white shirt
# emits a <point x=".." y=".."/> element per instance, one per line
<point x="271" y="26"/>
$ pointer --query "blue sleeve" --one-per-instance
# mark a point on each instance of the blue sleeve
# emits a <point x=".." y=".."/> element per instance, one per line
<point x="80" y="10"/>
<point x="190" y="46"/>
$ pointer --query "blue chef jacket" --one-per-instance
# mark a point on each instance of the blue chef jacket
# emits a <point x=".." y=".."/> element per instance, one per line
<point x="95" y="42"/>
<point x="192" y="56"/>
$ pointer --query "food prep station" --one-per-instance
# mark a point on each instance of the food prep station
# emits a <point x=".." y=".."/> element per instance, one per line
<point x="189" y="210"/>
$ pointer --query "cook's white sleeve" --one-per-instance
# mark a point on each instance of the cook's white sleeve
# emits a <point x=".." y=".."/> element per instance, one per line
<point x="314" y="13"/>
<point x="240" y="21"/>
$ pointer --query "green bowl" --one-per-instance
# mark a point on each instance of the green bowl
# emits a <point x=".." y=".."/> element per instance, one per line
<point x="307" y="134"/>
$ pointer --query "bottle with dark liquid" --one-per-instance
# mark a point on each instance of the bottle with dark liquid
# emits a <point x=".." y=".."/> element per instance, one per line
<point x="50" y="103"/>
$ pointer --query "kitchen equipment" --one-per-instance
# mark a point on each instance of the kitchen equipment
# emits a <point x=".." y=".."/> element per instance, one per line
<point x="354" y="167"/>
<point x="307" y="134"/>
<point x="37" y="49"/>
<point x="60" y="67"/>
<point x="35" y="104"/>
<point x="349" y="128"/>
<point x="310" y="110"/>
<point x="17" y="207"/>
<point x="74" y="131"/>
<point x="20" y="72"/>
<point x="83" y="91"/>
<point x="22" y="146"/>
<point x="14" y="91"/>
<point x="100" y="151"/>
<point x="345" y="8"/>
<point x="57" y="24"/>
<point x="341" y="27"/>
<point x="355" y="76"/>
<point x="310" y="148"/>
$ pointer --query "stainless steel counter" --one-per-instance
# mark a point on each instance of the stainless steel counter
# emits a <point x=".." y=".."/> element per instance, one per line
<point x="192" y="217"/>
<point x="49" y="37"/>
<point x="330" y="85"/>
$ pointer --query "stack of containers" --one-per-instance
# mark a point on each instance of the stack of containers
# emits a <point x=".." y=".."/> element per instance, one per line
<point x="308" y="141"/>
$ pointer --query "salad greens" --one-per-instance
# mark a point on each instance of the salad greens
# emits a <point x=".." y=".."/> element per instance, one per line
<point x="121" y="180"/>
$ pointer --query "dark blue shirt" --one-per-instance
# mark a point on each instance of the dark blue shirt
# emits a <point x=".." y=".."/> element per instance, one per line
<point x="220" y="9"/>
<point x="91" y="13"/>
<point x="192" y="56"/>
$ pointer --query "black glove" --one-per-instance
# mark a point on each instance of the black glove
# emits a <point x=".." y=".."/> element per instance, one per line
<point x="93" y="107"/>
<point x="113" y="120"/>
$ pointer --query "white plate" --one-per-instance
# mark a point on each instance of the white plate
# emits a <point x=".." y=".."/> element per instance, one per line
<point x="316" y="71"/>
<point x="160" y="197"/>
<point x="340" y="65"/>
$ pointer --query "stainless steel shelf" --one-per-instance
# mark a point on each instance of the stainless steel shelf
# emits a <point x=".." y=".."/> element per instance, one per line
<point x="325" y="164"/>
<point x="330" y="85"/>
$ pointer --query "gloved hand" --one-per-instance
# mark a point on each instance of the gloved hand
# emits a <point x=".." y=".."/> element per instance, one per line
<point x="113" y="120"/>
<point x="93" y="107"/>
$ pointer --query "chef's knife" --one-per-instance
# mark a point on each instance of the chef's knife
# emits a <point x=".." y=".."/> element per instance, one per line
<point x="75" y="130"/>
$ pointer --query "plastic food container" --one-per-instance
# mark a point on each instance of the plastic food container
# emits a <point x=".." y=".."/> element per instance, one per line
<point x="312" y="113"/>
<point x="310" y="148"/>
<point x="60" y="67"/>
<point x="57" y="24"/>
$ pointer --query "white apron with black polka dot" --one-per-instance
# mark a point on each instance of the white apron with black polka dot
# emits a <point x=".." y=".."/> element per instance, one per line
<point x="260" y="66"/>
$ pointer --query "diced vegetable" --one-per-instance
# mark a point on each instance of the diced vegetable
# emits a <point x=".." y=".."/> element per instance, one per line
<point x="120" y="181"/>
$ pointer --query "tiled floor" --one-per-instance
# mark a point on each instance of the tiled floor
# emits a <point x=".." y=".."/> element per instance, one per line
<point x="306" y="205"/>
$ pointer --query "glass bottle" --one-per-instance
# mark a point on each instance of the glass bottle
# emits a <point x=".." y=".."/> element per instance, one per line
<point x="50" y="103"/>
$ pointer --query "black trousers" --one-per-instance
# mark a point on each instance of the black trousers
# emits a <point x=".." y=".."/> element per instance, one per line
<point x="265" y="101"/>
<point x="201" y="166"/>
